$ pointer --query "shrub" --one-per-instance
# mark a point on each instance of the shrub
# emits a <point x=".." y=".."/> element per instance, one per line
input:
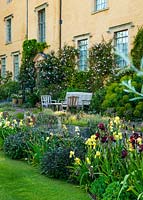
<point x="57" y="71"/>
<point x="97" y="100"/>
<point x="9" y="126"/>
<point x="80" y="81"/>
<point x="137" y="51"/>
<point x="32" y="98"/>
<point x="118" y="99"/>
<point x="7" y="89"/>
<point x="15" y="146"/>
<point x="98" y="186"/>
<point x="101" y="64"/>
<point x="23" y="145"/>
<point x="55" y="163"/>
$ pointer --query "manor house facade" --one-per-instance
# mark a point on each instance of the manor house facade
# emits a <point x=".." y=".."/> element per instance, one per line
<point x="80" y="23"/>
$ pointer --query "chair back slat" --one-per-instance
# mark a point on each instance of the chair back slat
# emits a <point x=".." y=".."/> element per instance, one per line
<point x="46" y="100"/>
<point x="72" y="101"/>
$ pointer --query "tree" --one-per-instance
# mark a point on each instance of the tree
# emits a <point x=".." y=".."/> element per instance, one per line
<point x="137" y="51"/>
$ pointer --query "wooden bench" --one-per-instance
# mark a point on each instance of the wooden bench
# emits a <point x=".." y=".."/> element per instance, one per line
<point x="83" y="99"/>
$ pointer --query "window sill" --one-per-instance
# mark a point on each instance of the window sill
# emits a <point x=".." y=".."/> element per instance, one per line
<point x="99" y="11"/>
<point x="8" y="43"/>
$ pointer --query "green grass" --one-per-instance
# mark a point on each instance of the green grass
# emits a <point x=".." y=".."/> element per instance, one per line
<point x="20" y="181"/>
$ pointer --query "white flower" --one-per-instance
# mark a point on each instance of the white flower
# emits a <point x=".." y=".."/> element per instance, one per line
<point x="77" y="129"/>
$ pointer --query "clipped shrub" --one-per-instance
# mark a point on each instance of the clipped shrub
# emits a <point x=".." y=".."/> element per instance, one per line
<point x="15" y="146"/>
<point x="118" y="99"/>
<point x="21" y="145"/>
<point x="55" y="163"/>
<point x="138" y="111"/>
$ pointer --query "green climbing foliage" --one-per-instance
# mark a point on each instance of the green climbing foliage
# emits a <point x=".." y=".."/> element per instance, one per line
<point x="27" y="77"/>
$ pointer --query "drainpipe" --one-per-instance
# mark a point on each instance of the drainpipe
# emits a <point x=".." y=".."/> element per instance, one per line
<point x="60" y="24"/>
<point x="27" y="19"/>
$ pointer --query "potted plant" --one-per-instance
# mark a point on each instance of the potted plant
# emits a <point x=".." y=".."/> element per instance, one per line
<point x="20" y="99"/>
<point x="14" y="98"/>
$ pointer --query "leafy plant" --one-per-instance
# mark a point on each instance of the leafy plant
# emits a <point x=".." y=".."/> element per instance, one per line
<point x="137" y="50"/>
<point x="27" y="77"/>
<point x="15" y="146"/>
<point x="136" y="67"/>
<point x="57" y="71"/>
<point x="55" y="162"/>
<point x="101" y="64"/>
<point x="98" y="186"/>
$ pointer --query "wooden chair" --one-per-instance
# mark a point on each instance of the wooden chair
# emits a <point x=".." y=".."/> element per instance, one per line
<point x="46" y="101"/>
<point x="72" y="102"/>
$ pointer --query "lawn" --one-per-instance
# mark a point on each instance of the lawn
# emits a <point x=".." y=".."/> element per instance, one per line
<point x="20" y="181"/>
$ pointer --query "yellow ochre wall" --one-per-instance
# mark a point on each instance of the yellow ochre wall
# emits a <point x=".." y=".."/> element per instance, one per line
<point x="78" y="19"/>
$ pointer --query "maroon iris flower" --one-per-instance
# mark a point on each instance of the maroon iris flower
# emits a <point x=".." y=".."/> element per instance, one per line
<point x="111" y="137"/>
<point x="132" y="139"/>
<point x="124" y="153"/>
<point x="101" y="126"/>
<point x="97" y="135"/>
<point x="104" y="139"/>
<point x="141" y="148"/>
<point x="135" y="135"/>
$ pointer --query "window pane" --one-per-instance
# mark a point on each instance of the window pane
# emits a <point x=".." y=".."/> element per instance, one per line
<point x="41" y="25"/>
<point x="8" y="30"/>
<point x="8" y="1"/>
<point x="16" y="66"/>
<point x="3" y="67"/>
<point x="121" y="43"/>
<point x="83" y="54"/>
<point x="101" y="4"/>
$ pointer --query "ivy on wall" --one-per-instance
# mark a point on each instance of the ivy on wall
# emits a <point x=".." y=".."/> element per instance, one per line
<point x="27" y="77"/>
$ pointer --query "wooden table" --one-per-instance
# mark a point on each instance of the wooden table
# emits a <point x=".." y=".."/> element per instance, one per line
<point x="56" y="105"/>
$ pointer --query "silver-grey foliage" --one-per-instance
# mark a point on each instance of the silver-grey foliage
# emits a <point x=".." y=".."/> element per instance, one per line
<point x="129" y="88"/>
